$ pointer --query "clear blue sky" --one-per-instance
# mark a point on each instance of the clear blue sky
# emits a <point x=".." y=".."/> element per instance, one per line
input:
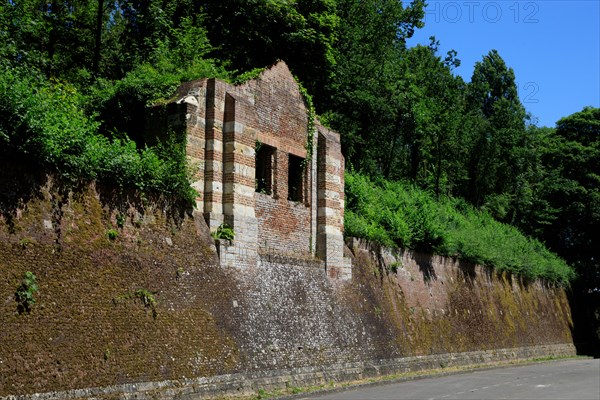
<point x="552" y="45"/>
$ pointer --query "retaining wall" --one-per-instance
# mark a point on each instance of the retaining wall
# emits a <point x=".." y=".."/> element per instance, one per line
<point x="217" y="330"/>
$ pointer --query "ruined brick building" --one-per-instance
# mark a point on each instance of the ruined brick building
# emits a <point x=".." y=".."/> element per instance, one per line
<point x="262" y="167"/>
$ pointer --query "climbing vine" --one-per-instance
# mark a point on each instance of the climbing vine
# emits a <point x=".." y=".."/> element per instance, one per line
<point x="310" y="123"/>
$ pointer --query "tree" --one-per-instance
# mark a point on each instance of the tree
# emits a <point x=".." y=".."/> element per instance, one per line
<point x="54" y="36"/>
<point x="497" y="164"/>
<point x="572" y="159"/>
<point x="435" y="140"/>
<point x="257" y="33"/>
<point x="363" y="100"/>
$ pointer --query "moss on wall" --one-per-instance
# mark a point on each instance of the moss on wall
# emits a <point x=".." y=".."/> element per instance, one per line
<point x="89" y="327"/>
<point x="430" y="305"/>
<point x="130" y="291"/>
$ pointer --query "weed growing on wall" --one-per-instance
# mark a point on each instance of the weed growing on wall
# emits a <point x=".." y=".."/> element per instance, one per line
<point x="224" y="231"/>
<point x="146" y="297"/>
<point x="112" y="234"/>
<point x="24" y="295"/>
<point x="120" y="220"/>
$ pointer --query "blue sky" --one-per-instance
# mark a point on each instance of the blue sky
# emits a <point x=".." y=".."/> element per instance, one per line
<point x="552" y="45"/>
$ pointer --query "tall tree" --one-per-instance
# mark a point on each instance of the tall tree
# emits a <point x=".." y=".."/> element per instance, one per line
<point x="497" y="120"/>
<point x="363" y="99"/>
<point x="434" y="142"/>
<point x="572" y="158"/>
<point x="256" y="33"/>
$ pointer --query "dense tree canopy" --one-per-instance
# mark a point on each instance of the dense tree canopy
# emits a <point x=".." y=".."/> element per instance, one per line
<point x="76" y="76"/>
<point x="571" y="158"/>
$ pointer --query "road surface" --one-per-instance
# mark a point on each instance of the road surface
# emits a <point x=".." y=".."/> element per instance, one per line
<point x="567" y="379"/>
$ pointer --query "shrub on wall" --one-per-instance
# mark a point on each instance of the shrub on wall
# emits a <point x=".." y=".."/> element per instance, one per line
<point x="399" y="214"/>
<point x="25" y="293"/>
<point x="45" y="122"/>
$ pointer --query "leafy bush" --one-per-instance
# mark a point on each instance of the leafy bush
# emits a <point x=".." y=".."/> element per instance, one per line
<point x="24" y="296"/>
<point x="45" y="122"/>
<point x="224" y="231"/>
<point x="398" y="214"/>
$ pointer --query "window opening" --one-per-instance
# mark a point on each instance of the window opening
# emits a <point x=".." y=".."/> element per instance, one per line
<point x="264" y="168"/>
<point x="295" y="178"/>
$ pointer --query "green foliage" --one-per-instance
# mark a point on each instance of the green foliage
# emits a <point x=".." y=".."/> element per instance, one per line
<point x="121" y="104"/>
<point x="146" y="297"/>
<point x="24" y="295"/>
<point x="569" y="190"/>
<point x="500" y="148"/>
<point x="73" y="96"/>
<point x="400" y="215"/>
<point x="310" y="123"/>
<point x="248" y="75"/>
<point x="392" y="213"/>
<point x="224" y="231"/>
<point x="262" y="394"/>
<point x="257" y="33"/>
<point x="46" y="122"/>
<point x="477" y="237"/>
<point x="393" y="267"/>
<point x="26" y="242"/>
<point x="112" y="234"/>
<point x="120" y="220"/>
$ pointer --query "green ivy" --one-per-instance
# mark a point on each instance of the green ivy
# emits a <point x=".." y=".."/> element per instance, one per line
<point x="310" y="123"/>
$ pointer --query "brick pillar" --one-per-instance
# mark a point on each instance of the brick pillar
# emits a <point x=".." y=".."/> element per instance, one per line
<point x="313" y="190"/>
<point x="330" y="205"/>
<point x="194" y="104"/>
<point x="280" y="171"/>
<point x="213" y="172"/>
<point x="238" y="189"/>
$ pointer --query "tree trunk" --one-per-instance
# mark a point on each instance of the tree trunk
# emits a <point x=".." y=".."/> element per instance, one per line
<point x="99" y="15"/>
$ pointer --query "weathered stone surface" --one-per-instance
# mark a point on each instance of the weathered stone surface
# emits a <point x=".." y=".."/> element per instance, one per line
<point x="279" y="321"/>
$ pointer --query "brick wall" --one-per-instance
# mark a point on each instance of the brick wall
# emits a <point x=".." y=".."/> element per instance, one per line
<point x="284" y="226"/>
<point x="302" y="213"/>
<point x="278" y="322"/>
<point x="330" y="204"/>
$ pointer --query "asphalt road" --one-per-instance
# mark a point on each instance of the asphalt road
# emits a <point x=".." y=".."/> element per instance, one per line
<point x="567" y="379"/>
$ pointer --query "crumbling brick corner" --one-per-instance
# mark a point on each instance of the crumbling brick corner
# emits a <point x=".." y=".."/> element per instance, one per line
<point x="254" y="170"/>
